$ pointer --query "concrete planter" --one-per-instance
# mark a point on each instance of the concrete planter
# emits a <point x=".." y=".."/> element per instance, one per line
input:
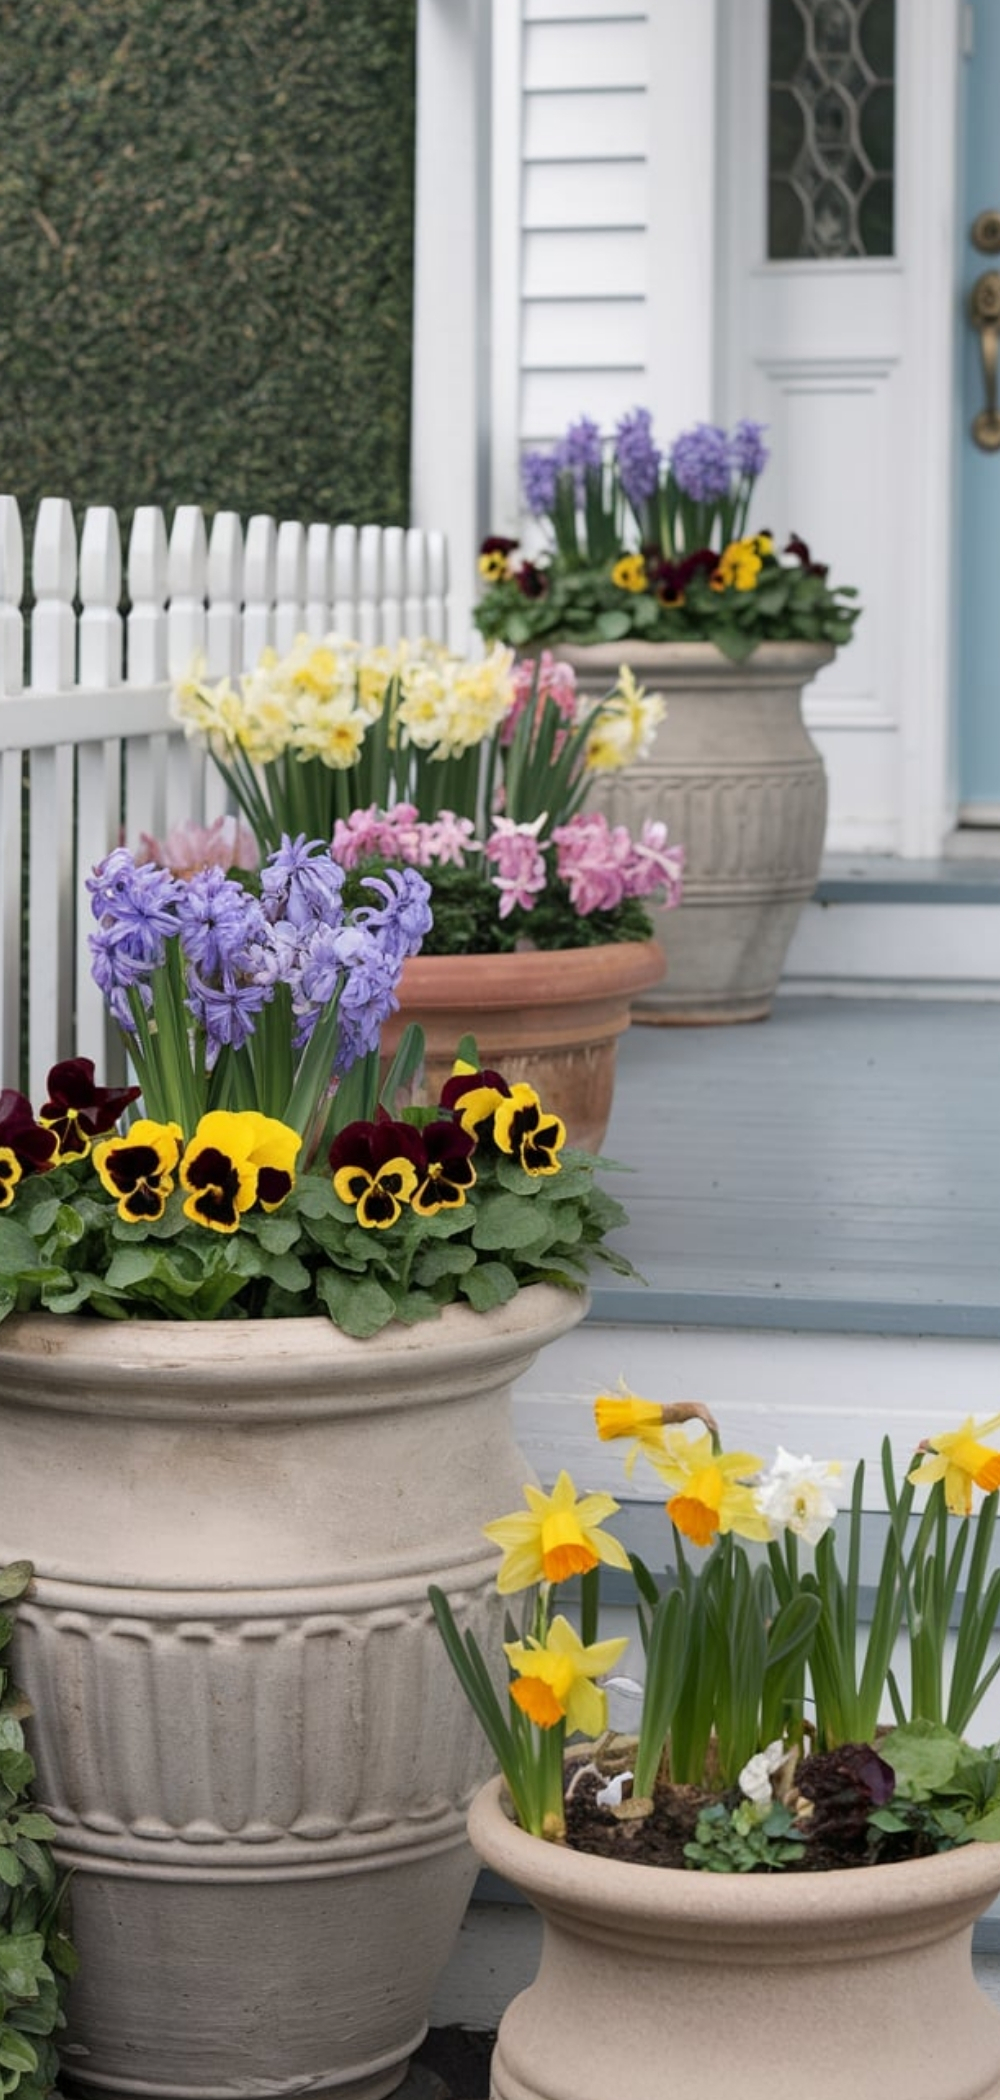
<point x="740" y="784"/>
<point x="248" y="1731"/>
<point x="656" y="1982"/>
<point x="550" y="1019"/>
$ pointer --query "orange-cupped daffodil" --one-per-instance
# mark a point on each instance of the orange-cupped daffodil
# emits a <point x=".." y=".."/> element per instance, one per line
<point x="555" y="1679"/>
<point x="556" y="1537"/>
<point x="962" y="1462"/>
<point x="711" y="1495"/>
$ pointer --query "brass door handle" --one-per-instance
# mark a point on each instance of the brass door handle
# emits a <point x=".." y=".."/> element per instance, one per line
<point x="984" y="313"/>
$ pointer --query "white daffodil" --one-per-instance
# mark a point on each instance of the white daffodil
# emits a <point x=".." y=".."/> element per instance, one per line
<point x="755" y="1778"/>
<point x="801" y="1495"/>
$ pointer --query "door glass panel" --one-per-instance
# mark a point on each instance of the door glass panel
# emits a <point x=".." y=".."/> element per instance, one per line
<point x="831" y="124"/>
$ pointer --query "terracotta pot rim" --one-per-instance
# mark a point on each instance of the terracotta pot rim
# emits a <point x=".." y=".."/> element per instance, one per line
<point x="727" y="1903"/>
<point x="555" y="977"/>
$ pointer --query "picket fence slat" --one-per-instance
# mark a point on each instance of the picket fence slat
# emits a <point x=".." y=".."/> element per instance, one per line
<point x="89" y="754"/>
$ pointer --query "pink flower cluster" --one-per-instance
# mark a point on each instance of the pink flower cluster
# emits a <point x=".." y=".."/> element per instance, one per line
<point x="601" y="866"/>
<point x="556" y="682"/>
<point x="189" y="847"/>
<point x="400" y="834"/>
<point x="520" y="861"/>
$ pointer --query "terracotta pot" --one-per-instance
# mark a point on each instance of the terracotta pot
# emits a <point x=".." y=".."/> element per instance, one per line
<point x="247" y="1729"/>
<point x="551" y="1019"/>
<point x="655" y="1982"/>
<point x="740" y="784"/>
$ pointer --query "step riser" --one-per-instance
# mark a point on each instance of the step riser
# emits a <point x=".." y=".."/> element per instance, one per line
<point x="952" y="950"/>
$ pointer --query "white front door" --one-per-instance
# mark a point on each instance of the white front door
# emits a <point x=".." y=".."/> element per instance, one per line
<point x="836" y="328"/>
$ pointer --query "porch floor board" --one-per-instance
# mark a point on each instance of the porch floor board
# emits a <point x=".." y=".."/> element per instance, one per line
<point x="836" y="1168"/>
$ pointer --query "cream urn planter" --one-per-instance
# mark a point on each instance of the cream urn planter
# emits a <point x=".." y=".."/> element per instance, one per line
<point x="656" y="1984"/>
<point x="736" y="777"/>
<point x="247" y="1729"/>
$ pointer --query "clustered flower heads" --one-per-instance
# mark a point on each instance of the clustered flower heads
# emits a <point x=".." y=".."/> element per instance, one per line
<point x="227" y="1215"/>
<point x="763" y="1688"/>
<point x="655" y="543"/>
<point x="234" y="947"/>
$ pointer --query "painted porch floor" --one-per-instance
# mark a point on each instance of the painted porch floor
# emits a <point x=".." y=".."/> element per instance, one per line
<point x="835" y="1168"/>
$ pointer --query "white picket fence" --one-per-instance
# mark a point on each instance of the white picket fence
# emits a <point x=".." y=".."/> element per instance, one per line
<point x="88" y="752"/>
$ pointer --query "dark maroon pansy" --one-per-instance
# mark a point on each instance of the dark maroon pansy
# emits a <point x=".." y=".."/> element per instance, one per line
<point x="496" y="544"/>
<point x="33" y="1148"/>
<point x="77" y="1111"/>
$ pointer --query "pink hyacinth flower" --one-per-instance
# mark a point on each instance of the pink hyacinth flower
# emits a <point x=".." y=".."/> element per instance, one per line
<point x="520" y="862"/>
<point x="189" y="847"/>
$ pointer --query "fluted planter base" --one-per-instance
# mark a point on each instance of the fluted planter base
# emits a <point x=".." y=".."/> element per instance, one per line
<point x="247" y="1730"/>
<point x="551" y="1019"/>
<point x="656" y="1984"/>
<point x="736" y="777"/>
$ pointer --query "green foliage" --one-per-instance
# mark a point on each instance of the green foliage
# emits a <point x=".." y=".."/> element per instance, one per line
<point x="36" y="1956"/>
<point x="745" y="1840"/>
<point x="206" y="253"/>
<point x="466" y="920"/>
<point x="67" y="1250"/>
<point x="582" y="605"/>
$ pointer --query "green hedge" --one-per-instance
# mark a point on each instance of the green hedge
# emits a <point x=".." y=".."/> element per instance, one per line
<point x="206" y="254"/>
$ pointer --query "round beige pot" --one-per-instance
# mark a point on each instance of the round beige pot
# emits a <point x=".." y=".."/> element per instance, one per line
<point x="552" y="1020"/>
<point x="247" y="1728"/>
<point x="736" y="777"/>
<point x="654" y="1983"/>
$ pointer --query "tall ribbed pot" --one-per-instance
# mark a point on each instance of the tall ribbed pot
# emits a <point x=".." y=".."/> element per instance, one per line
<point x="656" y="1984"/>
<point x="549" y="1018"/>
<point x="247" y="1730"/>
<point x="741" y="785"/>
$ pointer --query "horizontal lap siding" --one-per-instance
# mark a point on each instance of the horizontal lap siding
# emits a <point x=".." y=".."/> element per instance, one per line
<point x="584" y="212"/>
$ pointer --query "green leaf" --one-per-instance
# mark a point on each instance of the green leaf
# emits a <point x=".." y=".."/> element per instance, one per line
<point x="507" y="1221"/>
<point x="14" y="1580"/>
<point x="16" y="2052"/>
<point x="22" y="1963"/>
<point x="11" y="1869"/>
<point x="490" y="1284"/>
<point x="443" y="1258"/>
<point x="357" y="1305"/>
<point x="18" y="1250"/>
<point x="923" y="1757"/>
<point x="613" y="626"/>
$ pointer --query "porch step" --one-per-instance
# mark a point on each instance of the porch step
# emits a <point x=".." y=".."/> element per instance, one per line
<point x="814" y="1203"/>
<point x="888" y="927"/>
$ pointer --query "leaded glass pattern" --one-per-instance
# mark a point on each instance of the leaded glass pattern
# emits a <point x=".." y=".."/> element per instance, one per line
<point x="831" y="122"/>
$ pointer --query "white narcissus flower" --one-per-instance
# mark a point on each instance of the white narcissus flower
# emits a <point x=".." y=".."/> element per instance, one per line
<point x="801" y="1494"/>
<point x="755" y="1778"/>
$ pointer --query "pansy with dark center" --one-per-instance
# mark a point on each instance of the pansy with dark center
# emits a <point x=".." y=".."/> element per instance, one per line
<point x="77" y="1111"/>
<point x="522" y="1128"/>
<point x="25" y="1148"/>
<point x="448" y="1171"/>
<point x="237" y="1158"/>
<point x="473" y="1096"/>
<point x="376" y="1168"/>
<point x="138" y="1169"/>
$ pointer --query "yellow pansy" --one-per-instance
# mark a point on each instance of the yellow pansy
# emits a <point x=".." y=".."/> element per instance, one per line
<point x="629" y="573"/>
<point x="138" y="1169"/>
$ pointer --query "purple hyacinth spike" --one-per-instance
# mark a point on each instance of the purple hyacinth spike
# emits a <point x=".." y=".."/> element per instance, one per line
<point x="747" y="449"/>
<point x="637" y="457"/>
<point x="539" y="471"/>
<point x="699" y="461"/>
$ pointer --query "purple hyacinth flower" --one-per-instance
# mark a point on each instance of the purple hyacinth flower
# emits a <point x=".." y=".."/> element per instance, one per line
<point x="135" y="905"/>
<point x="580" y="453"/>
<point x="226" y="1012"/>
<point x="405" y="918"/>
<point x="747" y="449"/>
<point x="538" y="480"/>
<point x="699" y="462"/>
<point x="301" y="883"/>
<point x="218" y="920"/>
<point x="637" y="456"/>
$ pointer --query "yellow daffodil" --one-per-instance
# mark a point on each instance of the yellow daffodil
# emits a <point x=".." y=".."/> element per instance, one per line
<point x="629" y="574"/>
<point x="962" y="1462"/>
<point x="623" y="729"/>
<point x="626" y="1415"/>
<point x="138" y="1169"/>
<point x="710" y="1492"/>
<point x="555" y="1681"/>
<point x="556" y="1537"/>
